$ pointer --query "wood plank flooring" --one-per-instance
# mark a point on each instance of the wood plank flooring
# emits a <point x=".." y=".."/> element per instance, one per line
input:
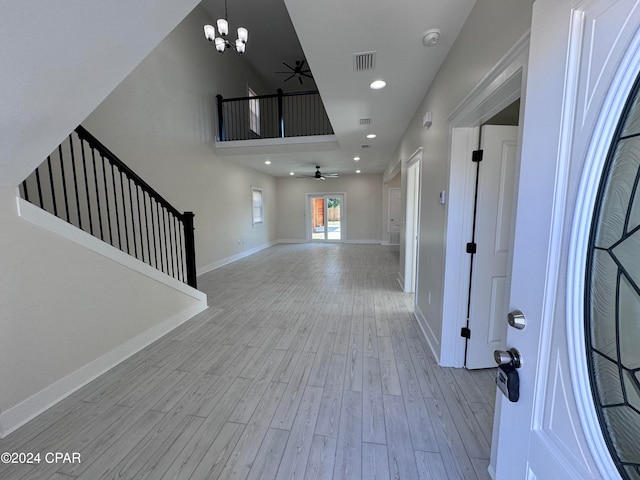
<point x="307" y="365"/>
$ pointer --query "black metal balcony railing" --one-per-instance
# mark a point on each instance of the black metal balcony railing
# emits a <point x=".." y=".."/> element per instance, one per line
<point x="272" y="116"/>
<point x="85" y="184"/>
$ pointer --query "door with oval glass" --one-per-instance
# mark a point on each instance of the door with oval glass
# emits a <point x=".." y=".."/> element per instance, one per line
<point x="325" y="217"/>
<point x="575" y="259"/>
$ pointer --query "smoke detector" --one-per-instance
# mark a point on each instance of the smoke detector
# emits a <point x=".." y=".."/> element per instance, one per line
<point x="431" y="37"/>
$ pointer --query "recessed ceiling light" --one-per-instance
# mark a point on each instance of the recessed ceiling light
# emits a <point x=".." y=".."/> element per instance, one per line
<point x="356" y="158"/>
<point x="291" y="173"/>
<point x="357" y="171"/>
<point x="378" y="84"/>
<point x="371" y="135"/>
<point x="267" y="162"/>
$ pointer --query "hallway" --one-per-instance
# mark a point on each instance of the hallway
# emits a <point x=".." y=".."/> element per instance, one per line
<point x="307" y="364"/>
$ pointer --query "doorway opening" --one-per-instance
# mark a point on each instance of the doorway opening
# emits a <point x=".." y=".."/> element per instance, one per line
<point x="325" y="214"/>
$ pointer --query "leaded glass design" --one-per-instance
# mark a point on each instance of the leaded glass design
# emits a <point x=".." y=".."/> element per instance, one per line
<point x="613" y="295"/>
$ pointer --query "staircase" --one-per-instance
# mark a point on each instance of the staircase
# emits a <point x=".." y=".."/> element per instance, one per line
<point x="85" y="184"/>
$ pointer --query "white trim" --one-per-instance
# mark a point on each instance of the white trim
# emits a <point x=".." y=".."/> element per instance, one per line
<point x="33" y="406"/>
<point x="459" y="218"/>
<point x="592" y="172"/>
<point x="225" y="261"/>
<point x="50" y="222"/>
<point x="482" y="103"/>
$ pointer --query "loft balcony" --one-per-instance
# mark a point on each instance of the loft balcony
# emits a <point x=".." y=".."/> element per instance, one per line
<point x="276" y="122"/>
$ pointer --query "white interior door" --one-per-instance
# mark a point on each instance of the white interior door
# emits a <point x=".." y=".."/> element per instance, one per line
<point x="412" y="227"/>
<point x="584" y="57"/>
<point x="490" y="280"/>
<point x="395" y="215"/>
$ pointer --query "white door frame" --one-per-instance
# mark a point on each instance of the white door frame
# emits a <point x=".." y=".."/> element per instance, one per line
<point x="412" y="222"/>
<point x="499" y="89"/>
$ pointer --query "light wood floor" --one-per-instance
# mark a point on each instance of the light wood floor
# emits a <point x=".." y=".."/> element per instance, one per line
<point x="307" y="365"/>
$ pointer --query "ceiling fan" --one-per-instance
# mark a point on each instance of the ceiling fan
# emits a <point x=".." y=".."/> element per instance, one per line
<point x="319" y="175"/>
<point x="299" y="70"/>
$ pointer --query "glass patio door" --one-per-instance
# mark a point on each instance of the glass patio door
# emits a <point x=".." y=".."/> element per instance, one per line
<point x="325" y="214"/>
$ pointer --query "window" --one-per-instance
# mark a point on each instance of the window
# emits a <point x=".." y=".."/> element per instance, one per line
<point x="257" y="206"/>
<point x="254" y="112"/>
<point x="612" y="294"/>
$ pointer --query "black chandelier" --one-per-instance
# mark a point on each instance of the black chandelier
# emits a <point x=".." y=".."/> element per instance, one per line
<point x="221" y="42"/>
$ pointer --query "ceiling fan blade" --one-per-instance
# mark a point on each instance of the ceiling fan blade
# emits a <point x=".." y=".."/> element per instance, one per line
<point x="301" y="64"/>
<point x="289" y="78"/>
<point x="288" y="66"/>
<point x="306" y="75"/>
<point x="300" y="78"/>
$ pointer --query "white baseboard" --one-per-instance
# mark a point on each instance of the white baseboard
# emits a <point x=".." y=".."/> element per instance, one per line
<point x="432" y="341"/>
<point x="292" y="240"/>
<point x="233" y="258"/>
<point x="18" y="415"/>
<point x="366" y="242"/>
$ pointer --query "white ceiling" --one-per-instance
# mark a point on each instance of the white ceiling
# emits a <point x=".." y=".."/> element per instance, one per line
<point x="330" y="32"/>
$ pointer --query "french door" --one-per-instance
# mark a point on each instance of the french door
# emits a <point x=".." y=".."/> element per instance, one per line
<point x="325" y="217"/>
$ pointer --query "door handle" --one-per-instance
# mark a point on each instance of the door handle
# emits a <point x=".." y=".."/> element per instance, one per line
<point x="508" y="357"/>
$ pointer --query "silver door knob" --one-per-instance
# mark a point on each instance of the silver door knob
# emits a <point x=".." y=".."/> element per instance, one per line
<point x="511" y="356"/>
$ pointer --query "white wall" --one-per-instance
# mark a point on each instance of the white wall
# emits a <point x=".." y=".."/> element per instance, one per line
<point x="160" y="122"/>
<point x="60" y="59"/>
<point x="492" y="28"/>
<point x="363" y="206"/>
<point x="67" y="311"/>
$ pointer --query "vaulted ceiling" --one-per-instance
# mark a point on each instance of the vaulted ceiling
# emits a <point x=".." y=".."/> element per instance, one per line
<point x="328" y="34"/>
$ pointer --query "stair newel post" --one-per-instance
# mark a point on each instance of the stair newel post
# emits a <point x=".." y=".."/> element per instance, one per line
<point x="221" y="133"/>
<point x="280" y="114"/>
<point x="190" y="248"/>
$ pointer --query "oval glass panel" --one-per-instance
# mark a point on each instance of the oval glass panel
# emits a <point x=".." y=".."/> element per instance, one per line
<point x="612" y="294"/>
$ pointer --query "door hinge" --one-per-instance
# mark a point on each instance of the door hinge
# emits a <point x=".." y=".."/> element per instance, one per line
<point x="471" y="247"/>
<point x="476" y="156"/>
<point x="465" y="332"/>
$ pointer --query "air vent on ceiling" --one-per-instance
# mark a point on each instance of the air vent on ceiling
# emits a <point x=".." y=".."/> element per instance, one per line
<point x="365" y="145"/>
<point x="365" y="121"/>
<point x="364" y="61"/>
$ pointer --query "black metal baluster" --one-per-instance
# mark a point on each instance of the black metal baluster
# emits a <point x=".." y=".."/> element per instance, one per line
<point x="140" y="221"/>
<point x="75" y="179"/>
<point x="124" y="213"/>
<point x="106" y="200"/>
<point x="160" y="237"/>
<point x="25" y="192"/>
<point x="64" y="182"/>
<point x="53" y="191"/>
<point x="86" y="185"/>
<point x="167" y="237"/>
<point x="39" y="187"/>
<point x="133" y="227"/>
<point x="146" y="224"/>
<point x="115" y="203"/>
<point x="175" y="242"/>
<point x="153" y="234"/>
<point x="182" y="261"/>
